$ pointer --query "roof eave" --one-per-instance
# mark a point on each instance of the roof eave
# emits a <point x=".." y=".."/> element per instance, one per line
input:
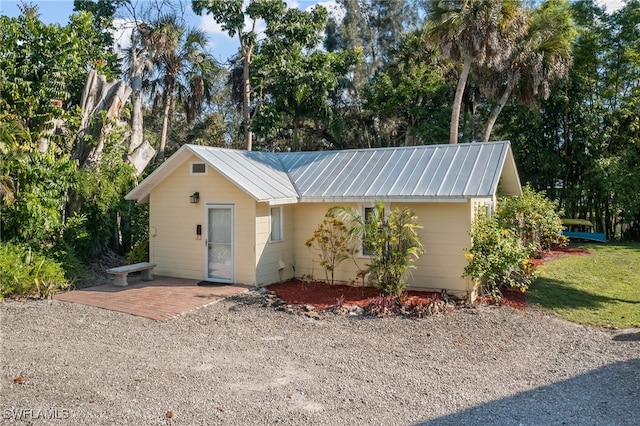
<point x="141" y="192"/>
<point x="390" y="199"/>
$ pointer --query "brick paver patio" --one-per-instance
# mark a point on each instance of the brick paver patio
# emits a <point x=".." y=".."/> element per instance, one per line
<point x="161" y="299"/>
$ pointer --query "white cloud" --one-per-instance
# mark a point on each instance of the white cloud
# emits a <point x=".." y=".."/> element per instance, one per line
<point x="336" y="11"/>
<point x="210" y="26"/>
<point x="611" y="5"/>
<point x="224" y="46"/>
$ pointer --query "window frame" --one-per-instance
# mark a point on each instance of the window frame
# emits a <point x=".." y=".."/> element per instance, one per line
<point x="280" y="224"/>
<point x="363" y="207"/>
<point x="193" y="163"/>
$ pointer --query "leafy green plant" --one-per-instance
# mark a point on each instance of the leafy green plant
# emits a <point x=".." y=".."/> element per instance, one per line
<point x="534" y="218"/>
<point x="139" y="252"/>
<point x="497" y="258"/>
<point x="330" y="243"/>
<point x="25" y="272"/>
<point x="393" y="242"/>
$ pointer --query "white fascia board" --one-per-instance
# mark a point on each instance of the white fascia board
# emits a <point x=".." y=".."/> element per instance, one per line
<point x="282" y="201"/>
<point x="384" y="199"/>
<point x="141" y="191"/>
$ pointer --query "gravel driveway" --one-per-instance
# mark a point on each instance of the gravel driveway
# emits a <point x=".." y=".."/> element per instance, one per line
<point x="236" y="362"/>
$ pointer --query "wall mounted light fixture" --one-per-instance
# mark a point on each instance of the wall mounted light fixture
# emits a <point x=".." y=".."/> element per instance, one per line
<point x="195" y="197"/>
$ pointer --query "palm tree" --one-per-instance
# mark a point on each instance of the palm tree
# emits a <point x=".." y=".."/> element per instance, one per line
<point x="183" y="70"/>
<point x="542" y="55"/>
<point x="232" y="15"/>
<point x="472" y="32"/>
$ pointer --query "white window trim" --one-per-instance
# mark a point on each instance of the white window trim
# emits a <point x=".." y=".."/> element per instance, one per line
<point x="206" y="169"/>
<point x="271" y="240"/>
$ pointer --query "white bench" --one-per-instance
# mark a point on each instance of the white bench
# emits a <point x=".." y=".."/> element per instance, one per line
<point x="121" y="272"/>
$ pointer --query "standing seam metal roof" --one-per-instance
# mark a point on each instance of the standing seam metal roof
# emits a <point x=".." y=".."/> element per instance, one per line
<point x="410" y="173"/>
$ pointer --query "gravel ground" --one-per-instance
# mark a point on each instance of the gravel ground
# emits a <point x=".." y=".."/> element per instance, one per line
<point x="236" y="362"/>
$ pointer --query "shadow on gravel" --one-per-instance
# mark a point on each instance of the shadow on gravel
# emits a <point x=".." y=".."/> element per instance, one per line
<point x="607" y="395"/>
<point x="627" y="337"/>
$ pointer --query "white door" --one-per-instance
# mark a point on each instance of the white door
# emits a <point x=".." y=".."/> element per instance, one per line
<point x="220" y="247"/>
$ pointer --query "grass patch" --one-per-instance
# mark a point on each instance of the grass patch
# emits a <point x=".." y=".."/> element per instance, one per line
<point x="601" y="289"/>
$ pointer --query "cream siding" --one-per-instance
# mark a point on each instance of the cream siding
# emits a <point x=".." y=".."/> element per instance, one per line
<point x="178" y="252"/>
<point x="444" y="236"/>
<point x="306" y="219"/>
<point x="173" y="244"/>
<point x="270" y="254"/>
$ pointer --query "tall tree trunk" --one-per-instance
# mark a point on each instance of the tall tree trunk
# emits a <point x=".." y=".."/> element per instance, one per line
<point x="98" y="95"/>
<point x="497" y="109"/>
<point x="137" y="68"/>
<point x="457" y="101"/>
<point x="165" y="127"/>
<point x="140" y="152"/>
<point x="246" y="97"/>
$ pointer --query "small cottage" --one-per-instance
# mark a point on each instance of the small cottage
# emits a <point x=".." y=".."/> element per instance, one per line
<point x="235" y="216"/>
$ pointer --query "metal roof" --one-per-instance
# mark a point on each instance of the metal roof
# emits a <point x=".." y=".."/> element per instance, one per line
<point x="426" y="172"/>
<point x="260" y="174"/>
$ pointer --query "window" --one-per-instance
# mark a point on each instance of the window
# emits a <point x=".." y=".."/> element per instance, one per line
<point x="276" y="224"/>
<point x="367" y="213"/>
<point x="198" y="169"/>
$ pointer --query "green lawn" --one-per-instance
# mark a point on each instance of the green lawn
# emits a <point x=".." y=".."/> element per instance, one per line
<point x="602" y="288"/>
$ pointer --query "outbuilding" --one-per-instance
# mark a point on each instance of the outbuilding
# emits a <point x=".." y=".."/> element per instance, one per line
<point x="236" y="216"/>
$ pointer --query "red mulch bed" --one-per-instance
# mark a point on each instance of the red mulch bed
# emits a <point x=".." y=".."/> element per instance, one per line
<point x="324" y="296"/>
<point x="556" y="252"/>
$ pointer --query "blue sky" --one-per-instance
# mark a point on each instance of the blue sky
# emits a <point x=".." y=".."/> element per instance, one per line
<point x="221" y="46"/>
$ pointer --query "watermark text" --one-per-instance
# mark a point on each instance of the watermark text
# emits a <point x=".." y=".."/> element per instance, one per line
<point x="36" y="414"/>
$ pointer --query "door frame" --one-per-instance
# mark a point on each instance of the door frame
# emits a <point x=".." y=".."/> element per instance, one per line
<point x="232" y="207"/>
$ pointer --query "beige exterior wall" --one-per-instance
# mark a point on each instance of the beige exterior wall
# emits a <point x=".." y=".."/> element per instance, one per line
<point x="173" y="245"/>
<point x="444" y="237"/>
<point x="306" y="219"/>
<point x="269" y="254"/>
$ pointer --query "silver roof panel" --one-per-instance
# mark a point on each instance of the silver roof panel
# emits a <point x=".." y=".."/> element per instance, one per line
<point x="423" y="172"/>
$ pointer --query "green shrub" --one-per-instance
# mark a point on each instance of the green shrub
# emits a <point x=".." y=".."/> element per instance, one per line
<point x="534" y="218"/>
<point x="395" y="246"/>
<point x="74" y="268"/>
<point x="25" y="272"/>
<point x="76" y="235"/>
<point x="498" y="258"/>
<point x="393" y="242"/>
<point x="139" y="252"/>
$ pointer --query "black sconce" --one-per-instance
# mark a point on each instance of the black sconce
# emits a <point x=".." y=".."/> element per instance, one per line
<point x="195" y="197"/>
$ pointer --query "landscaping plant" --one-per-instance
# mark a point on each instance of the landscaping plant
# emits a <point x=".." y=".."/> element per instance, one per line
<point x="498" y="258"/>
<point x="523" y="227"/>
<point x="330" y="243"/>
<point x="533" y="218"/>
<point x="393" y="242"/>
<point x="25" y="272"/>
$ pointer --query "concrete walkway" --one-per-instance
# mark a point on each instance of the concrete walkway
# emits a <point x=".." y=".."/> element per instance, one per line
<point x="161" y="299"/>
